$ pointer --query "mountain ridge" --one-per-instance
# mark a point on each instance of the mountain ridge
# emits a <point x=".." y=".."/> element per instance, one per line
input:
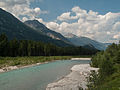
<point x="14" y="28"/>
<point x="35" y="24"/>
<point x="82" y="41"/>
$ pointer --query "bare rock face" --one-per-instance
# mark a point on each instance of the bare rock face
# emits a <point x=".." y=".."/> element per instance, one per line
<point x="75" y="80"/>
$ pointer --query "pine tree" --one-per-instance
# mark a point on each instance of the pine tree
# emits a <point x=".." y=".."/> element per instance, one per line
<point x="3" y="45"/>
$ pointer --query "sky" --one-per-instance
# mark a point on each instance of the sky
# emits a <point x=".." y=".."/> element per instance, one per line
<point x="96" y="19"/>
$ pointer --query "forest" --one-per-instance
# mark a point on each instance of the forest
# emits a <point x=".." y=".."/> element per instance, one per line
<point x="14" y="48"/>
<point x="108" y="76"/>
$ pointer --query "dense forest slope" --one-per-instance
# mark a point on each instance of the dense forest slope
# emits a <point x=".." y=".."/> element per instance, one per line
<point x="36" y="48"/>
<point x="14" y="28"/>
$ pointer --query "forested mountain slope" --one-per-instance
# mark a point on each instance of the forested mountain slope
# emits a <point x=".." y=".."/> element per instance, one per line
<point x="14" y="28"/>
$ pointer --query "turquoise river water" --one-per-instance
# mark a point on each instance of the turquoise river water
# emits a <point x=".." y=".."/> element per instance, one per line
<point x="37" y="77"/>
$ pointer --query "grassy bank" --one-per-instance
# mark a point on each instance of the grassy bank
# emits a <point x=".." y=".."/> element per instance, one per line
<point x="22" y="61"/>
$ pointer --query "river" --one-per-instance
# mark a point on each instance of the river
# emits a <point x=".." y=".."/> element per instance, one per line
<point x="37" y="77"/>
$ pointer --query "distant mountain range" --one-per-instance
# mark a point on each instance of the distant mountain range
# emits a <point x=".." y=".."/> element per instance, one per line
<point x="86" y="42"/>
<point x="34" y="30"/>
<point x="39" y="27"/>
<point x="14" y="28"/>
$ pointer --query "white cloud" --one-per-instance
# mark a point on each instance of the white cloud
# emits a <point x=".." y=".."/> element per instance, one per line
<point x="7" y="3"/>
<point x="24" y="19"/>
<point x="52" y="25"/>
<point x="37" y="10"/>
<point x="117" y="36"/>
<point x="77" y="9"/>
<point x="116" y="26"/>
<point x="108" y="33"/>
<point x="104" y="28"/>
<point x="66" y="16"/>
<point x="21" y="8"/>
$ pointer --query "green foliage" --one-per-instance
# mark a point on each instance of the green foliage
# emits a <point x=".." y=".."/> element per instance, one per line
<point x="21" y="61"/>
<point x="116" y="59"/>
<point x="3" y="44"/>
<point x="16" y="47"/>
<point x="108" y="62"/>
<point x="18" y="52"/>
<point x="96" y="59"/>
<point x="93" y="80"/>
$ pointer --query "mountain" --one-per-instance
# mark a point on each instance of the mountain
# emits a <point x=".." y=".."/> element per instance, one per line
<point x="36" y="25"/>
<point x="107" y="44"/>
<point x="14" y="28"/>
<point x="83" y="41"/>
<point x="89" y="46"/>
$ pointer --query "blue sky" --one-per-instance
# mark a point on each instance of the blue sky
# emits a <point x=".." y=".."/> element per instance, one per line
<point x="56" y="7"/>
<point x="95" y="19"/>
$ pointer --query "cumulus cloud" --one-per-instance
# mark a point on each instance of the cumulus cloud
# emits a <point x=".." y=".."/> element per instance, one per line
<point x="24" y="19"/>
<point x="116" y="26"/>
<point x="21" y="8"/>
<point x="66" y="16"/>
<point x="117" y="36"/>
<point x="52" y="25"/>
<point x="104" y="28"/>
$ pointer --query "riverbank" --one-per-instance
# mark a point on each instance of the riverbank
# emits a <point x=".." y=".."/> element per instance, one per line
<point x="75" y="80"/>
<point x="80" y="58"/>
<point x="6" y="69"/>
<point x="12" y="63"/>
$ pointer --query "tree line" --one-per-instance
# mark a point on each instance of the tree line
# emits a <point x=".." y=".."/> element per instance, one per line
<point x="16" y="47"/>
<point x="108" y="76"/>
